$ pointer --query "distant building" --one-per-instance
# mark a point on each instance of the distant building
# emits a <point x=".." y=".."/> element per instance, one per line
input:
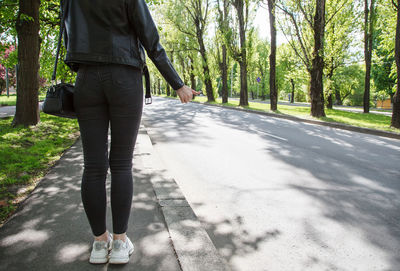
<point x="384" y="104"/>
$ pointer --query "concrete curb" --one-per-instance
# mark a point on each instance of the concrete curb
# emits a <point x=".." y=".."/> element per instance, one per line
<point x="317" y="122"/>
<point x="193" y="246"/>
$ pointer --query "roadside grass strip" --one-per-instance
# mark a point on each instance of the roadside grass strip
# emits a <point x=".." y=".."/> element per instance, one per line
<point x="12" y="99"/>
<point x="371" y="120"/>
<point x="27" y="154"/>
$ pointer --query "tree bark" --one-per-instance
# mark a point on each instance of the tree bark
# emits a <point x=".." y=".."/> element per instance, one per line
<point x="168" y="90"/>
<point x="244" y="96"/>
<point x="369" y="14"/>
<point x="396" y="98"/>
<point x="272" y="57"/>
<point x="330" y="101"/>
<point x="338" y="98"/>
<point x="207" y="78"/>
<point x="292" y="98"/>
<point x="27" y="26"/>
<point x="317" y="70"/>
<point x="192" y="76"/>
<point x="224" y="69"/>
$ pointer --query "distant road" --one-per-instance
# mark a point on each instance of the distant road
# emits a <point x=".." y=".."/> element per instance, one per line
<point x="279" y="195"/>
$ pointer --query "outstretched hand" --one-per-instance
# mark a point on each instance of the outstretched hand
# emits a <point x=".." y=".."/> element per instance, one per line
<point x="185" y="93"/>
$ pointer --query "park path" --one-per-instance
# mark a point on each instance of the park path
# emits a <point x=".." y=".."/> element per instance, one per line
<point x="277" y="194"/>
<point x="9" y="111"/>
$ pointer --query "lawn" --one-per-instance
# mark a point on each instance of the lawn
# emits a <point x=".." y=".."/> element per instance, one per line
<point x="26" y="154"/>
<point x="372" y="121"/>
<point x="12" y="99"/>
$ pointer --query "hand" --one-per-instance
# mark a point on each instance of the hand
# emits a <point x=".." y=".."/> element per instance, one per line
<point x="185" y="93"/>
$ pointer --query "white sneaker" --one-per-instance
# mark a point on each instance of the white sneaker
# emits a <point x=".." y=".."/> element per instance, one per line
<point x="100" y="251"/>
<point x="121" y="251"/>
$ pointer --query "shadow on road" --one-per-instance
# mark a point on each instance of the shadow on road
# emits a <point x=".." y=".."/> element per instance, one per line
<point x="362" y="194"/>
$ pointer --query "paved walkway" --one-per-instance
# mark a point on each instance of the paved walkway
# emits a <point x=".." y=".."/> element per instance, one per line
<point x="50" y="230"/>
<point x="9" y="111"/>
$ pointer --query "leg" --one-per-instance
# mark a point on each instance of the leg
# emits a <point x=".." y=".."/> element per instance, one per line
<point x="126" y="104"/>
<point x="92" y="110"/>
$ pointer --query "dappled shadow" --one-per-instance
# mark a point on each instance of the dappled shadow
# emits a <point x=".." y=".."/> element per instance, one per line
<point x="50" y="231"/>
<point x="352" y="178"/>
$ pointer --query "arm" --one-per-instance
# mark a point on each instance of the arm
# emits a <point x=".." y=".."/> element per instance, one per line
<point x="146" y="30"/>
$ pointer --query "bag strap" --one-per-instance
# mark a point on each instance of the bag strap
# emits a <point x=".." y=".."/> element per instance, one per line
<point x="148" y="99"/>
<point x="62" y="28"/>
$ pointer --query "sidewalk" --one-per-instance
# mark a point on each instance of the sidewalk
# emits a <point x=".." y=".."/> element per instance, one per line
<point x="9" y="111"/>
<point x="50" y="230"/>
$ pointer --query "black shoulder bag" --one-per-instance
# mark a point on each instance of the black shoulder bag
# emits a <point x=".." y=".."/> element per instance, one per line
<point x="59" y="99"/>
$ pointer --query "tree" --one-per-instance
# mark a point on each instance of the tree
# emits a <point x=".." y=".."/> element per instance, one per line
<point x="193" y="22"/>
<point x="308" y="27"/>
<point x="369" y="17"/>
<point x="396" y="98"/>
<point x="272" y="57"/>
<point x="27" y="26"/>
<point x="337" y="44"/>
<point x="239" y="53"/>
<point x="292" y="73"/>
<point x="223" y="24"/>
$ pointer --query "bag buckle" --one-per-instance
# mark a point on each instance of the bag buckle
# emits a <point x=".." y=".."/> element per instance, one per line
<point x="148" y="100"/>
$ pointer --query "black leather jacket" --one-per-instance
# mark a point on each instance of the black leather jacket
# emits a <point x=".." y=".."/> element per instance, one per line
<point x="111" y="31"/>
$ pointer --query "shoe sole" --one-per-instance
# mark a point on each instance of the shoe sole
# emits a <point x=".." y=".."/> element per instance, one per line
<point x="98" y="261"/>
<point x="121" y="260"/>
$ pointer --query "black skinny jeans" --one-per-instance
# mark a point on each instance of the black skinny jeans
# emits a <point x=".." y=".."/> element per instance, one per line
<point x="108" y="94"/>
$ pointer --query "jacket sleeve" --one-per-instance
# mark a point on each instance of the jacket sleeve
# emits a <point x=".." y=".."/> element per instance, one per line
<point x="146" y="30"/>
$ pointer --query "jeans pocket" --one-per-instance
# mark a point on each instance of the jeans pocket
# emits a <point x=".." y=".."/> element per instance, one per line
<point x="80" y="77"/>
<point x="125" y="77"/>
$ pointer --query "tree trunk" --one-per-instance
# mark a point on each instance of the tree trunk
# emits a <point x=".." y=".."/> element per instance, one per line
<point x="330" y="101"/>
<point x="27" y="109"/>
<point x="207" y="78"/>
<point x="292" y="98"/>
<point x="338" y="98"/>
<point x="224" y="76"/>
<point x="168" y="90"/>
<point x="192" y="76"/>
<point x="368" y="36"/>
<point x="272" y="57"/>
<point x="396" y="98"/>
<point x="244" y="96"/>
<point x="317" y="70"/>
<point x="173" y="94"/>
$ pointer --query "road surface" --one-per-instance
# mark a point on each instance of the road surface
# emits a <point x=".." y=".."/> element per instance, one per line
<point x="275" y="194"/>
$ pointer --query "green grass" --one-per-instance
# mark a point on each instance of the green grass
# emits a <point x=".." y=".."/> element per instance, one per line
<point x="26" y="154"/>
<point x="372" y="121"/>
<point x="12" y="99"/>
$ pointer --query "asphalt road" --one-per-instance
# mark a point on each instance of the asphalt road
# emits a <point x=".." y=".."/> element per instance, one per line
<point x="275" y="194"/>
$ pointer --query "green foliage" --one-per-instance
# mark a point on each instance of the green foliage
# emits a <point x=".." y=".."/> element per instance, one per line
<point x="348" y="80"/>
<point x="27" y="153"/>
<point x="26" y="18"/>
<point x="383" y="64"/>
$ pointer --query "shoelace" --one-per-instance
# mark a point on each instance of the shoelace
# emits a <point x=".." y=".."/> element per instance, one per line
<point x="100" y="245"/>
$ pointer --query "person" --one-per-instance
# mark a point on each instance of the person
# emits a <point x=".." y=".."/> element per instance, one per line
<point x="103" y="41"/>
